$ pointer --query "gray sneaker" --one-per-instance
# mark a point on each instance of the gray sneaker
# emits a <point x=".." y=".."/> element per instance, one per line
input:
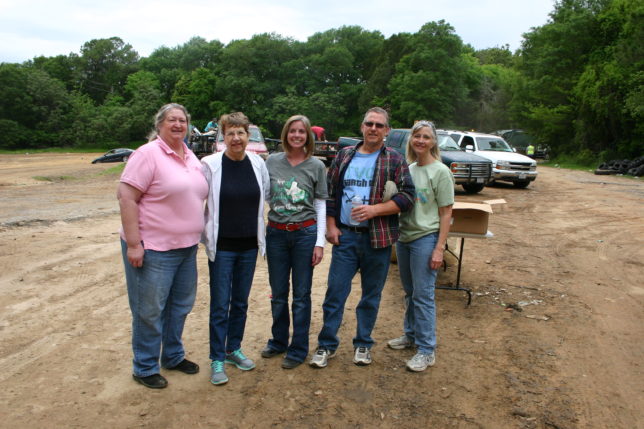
<point x="238" y="359"/>
<point x="321" y="357"/>
<point x="421" y="361"/>
<point x="362" y="356"/>
<point x="218" y="375"/>
<point x="400" y="343"/>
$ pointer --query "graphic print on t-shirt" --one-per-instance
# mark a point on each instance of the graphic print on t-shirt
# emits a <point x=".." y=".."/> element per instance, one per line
<point x="422" y="195"/>
<point x="287" y="197"/>
<point x="358" y="180"/>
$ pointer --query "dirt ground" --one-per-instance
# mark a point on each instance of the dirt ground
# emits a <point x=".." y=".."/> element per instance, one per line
<point x="568" y="252"/>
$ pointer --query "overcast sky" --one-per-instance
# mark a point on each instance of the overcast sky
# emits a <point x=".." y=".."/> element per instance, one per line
<point x="30" y="28"/>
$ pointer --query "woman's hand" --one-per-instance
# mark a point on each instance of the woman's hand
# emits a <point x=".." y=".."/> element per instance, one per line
<point x="318" y="254"/>
<point x="135" y="255"/>
<point x="437" y="258"/>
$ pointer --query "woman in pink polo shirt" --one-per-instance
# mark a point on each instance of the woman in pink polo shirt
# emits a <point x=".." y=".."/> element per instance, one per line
<point x="161" y="196"/>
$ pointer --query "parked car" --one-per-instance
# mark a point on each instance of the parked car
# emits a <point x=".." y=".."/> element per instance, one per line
<point x="470" y="171"/>
<point x="114" y="155"/>
<point x="256" y="143"/>
<point x="508" y="166"/>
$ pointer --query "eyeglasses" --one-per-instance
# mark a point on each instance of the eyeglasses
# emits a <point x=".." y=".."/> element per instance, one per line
<point x="376" y="124"/>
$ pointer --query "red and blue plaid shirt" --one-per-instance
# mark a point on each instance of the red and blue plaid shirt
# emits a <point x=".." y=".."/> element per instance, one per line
<point x="390" y="166"/>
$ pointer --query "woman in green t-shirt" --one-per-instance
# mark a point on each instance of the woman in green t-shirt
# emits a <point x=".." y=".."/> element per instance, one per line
<point x="423" y="234"/>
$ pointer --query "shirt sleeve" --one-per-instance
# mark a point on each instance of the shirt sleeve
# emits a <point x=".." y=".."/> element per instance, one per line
<point x="139" y="171"/>
<point x="444" y="188"/>
<point x="320" y="211"/>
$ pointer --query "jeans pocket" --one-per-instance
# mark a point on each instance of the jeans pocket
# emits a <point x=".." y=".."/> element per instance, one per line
<point x="310" y="230"/>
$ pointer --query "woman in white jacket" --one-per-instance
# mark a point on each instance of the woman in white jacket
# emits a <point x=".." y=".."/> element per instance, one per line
<point x="234" y="234"/>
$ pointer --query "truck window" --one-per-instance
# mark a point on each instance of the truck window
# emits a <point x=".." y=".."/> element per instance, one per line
<point x="395" y="139"/>
<point x="467" y="140"/>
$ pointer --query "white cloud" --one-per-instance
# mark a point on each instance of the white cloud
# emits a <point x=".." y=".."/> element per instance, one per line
<point x="37" y="27"/>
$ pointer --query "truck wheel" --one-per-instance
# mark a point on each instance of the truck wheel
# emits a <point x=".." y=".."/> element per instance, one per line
<point x="521" y="184"/>
<point x="473" y="188"/>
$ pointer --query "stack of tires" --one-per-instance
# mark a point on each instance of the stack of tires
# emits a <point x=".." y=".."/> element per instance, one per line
<point x="633" y="167"/>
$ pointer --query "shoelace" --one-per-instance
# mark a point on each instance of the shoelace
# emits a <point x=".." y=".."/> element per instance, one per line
<point x="218" y="366"/>
<point x="362" y="350"/>
<point x="320" y="352"/>
<point x="238" y="353"/>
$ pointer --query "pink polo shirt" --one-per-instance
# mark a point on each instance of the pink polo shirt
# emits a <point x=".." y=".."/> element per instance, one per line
<point x="172" y="205"/>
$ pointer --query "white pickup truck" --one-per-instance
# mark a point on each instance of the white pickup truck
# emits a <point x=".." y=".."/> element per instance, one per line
<point x="507" y="165"/>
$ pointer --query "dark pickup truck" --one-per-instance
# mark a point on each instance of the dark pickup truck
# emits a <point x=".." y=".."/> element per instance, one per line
<point x="470" y="171"/>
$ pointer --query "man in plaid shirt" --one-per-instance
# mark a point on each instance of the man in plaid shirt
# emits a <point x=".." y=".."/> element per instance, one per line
<point x="362" y="235"/>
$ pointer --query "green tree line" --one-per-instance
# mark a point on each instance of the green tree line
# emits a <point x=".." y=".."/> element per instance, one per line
<point x="576" y="83"/>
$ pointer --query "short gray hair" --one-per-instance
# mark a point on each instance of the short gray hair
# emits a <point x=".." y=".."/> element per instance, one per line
<point x="162" y="114"/>
<point x="380" y="111"/>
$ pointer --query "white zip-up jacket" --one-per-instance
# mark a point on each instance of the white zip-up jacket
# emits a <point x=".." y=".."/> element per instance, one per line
<point x="211" y="166"/>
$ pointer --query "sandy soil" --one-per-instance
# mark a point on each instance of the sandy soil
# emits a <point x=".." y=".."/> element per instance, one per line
<point x="568" y="251"/>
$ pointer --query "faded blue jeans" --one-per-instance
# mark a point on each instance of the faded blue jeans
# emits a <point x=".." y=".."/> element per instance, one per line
<point x="161" y="295"/>
<point x="231" y="277"/>
<point x="419" y="281"/>
<point x="289" y="255"/>
<point x="354" y="252"/>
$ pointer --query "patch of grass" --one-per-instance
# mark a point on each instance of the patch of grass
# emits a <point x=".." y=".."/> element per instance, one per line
<point x="570" y="165"/>
<point x="75" y="149"/>
<point x="53" y="178"/>
<point x="117" y="169"/>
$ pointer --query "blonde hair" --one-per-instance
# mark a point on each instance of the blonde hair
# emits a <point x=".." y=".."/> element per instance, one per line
<point x="434" y="151"/>
<point x="309" y="146"/>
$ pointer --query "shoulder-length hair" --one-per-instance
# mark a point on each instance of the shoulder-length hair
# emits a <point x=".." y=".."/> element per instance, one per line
<point x="435" y="150"/>
<point x="309" y="146"/>
<point x="162" y="114"/>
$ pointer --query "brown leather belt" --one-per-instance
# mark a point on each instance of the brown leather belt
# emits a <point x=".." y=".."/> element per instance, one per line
<point x="291" y="226"/>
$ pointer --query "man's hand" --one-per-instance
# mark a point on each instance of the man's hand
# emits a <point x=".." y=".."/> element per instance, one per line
<point x="333" y="234"/>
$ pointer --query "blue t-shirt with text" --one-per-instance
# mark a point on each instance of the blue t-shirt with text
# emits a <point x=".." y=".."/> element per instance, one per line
<point x="357" y="181"/>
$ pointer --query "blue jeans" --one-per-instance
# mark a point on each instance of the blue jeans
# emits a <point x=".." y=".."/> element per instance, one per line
<point x="231" y="276"/>
<point x="161" y="295"/>
<point x="354" y="252"/>
<point x="419" y="281"/>
<point x="289" y="255"/>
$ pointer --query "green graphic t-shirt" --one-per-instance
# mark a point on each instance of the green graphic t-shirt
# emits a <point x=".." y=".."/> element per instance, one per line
<point x="434" y="188"/>
<point x="293" y="189"/>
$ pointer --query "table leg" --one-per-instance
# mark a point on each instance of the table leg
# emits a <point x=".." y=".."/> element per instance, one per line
<point x="458" y="275"/>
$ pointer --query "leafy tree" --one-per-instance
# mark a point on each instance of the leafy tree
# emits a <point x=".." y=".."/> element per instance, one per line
<point x="144" y="98"/>
<point x="104" y="65"/>
<point x="433" y="79"/>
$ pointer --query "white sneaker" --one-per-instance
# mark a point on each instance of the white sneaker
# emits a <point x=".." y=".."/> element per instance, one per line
<point x="321" y="357"/>
<point x="421" y="361"/>
<point x="362" y="356"/>
<point x="400" y="343"/>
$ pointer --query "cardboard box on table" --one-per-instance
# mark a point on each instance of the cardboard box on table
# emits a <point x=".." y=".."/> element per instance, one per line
<point x="470" y="218"/>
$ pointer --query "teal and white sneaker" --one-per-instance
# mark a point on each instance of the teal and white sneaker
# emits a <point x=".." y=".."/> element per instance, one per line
<point x="238" y="359"/>
<point x="218" y="373"/>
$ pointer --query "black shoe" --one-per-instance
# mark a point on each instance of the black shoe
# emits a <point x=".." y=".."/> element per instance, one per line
<point x="186" y="367"/>
<point x="269" y="352"/>
<point x="289" y="363"/>
<point x="154" y="381"/>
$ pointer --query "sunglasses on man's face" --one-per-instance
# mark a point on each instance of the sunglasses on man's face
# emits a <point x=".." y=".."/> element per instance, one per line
<point x="372" y="124"/>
